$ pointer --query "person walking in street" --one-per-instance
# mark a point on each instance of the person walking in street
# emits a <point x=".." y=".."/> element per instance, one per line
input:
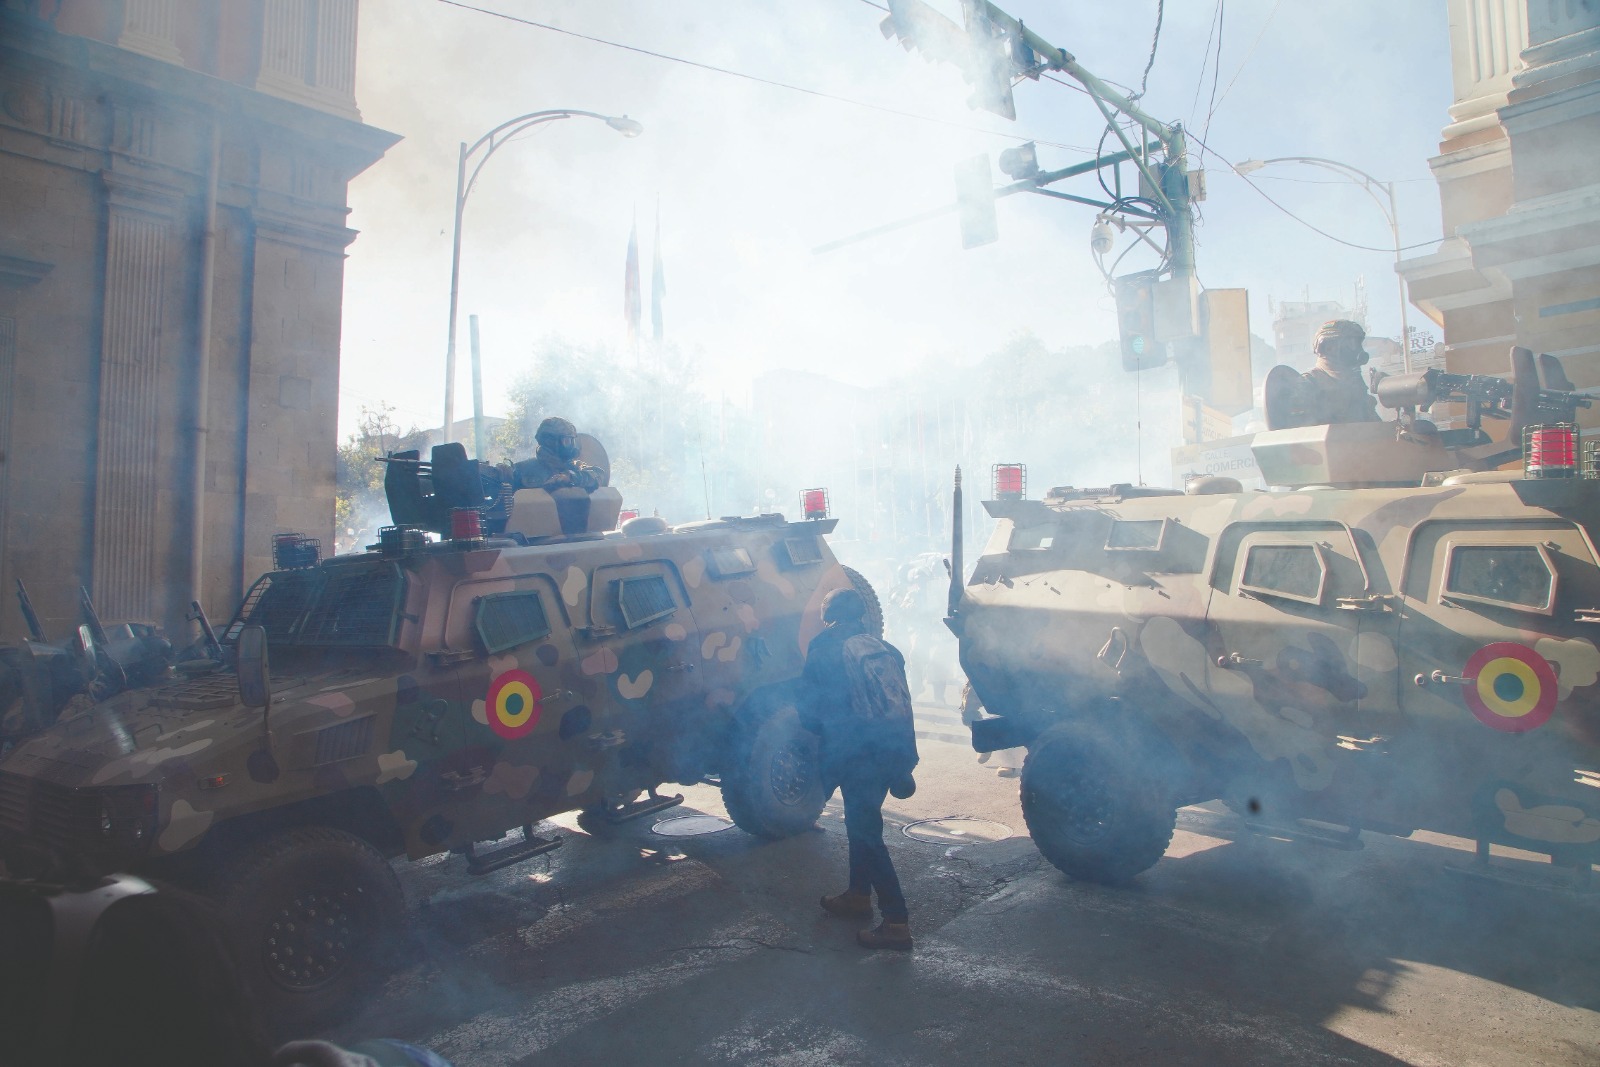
<point x="856" y="699"/>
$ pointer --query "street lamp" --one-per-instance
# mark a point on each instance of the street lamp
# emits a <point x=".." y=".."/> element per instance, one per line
<point x="1390" y="212"/>
<point x="488" y="143"/>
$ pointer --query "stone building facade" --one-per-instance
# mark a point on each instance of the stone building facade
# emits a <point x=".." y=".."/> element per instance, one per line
<point x="1520" y="189"/>
<point x="173" y="179"/>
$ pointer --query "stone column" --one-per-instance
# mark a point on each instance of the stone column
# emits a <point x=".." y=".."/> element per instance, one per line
<point x="148" y="28"/>
<point x="128" y="569"/>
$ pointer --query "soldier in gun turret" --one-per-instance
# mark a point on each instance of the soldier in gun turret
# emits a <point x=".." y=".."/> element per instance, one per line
<point x="555" y="465"/>
<point x="1336" y="392"/>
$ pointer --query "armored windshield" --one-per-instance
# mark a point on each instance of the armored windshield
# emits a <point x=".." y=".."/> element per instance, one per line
<point x="347" y="606"/>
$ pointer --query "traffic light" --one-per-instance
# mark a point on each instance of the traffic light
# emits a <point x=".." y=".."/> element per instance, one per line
<point x="989" y="52"/>
<point x="1136" y="321"/>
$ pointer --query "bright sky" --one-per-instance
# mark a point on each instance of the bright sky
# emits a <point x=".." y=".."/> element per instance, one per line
<point x="752" y="177"/>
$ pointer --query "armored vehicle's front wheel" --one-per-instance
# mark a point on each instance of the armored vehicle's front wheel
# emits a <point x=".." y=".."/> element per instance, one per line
<point x="314" y="912"/>
<point x="1093" y="811"/>
<point x="772" y="784"/>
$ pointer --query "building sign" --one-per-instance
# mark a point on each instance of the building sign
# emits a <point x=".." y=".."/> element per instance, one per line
<point x="1228" y="457"/>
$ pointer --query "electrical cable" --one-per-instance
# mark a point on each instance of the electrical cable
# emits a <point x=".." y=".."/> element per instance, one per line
<point x="1243" y="62"/>
<point x="1194" y="106"/>
<point x="869" y="3"/>
<point x="818" y="93"/>
<point x="1308" y="225"/>
<point x="1155" y="39"/>
<point x="1216" y="65"/>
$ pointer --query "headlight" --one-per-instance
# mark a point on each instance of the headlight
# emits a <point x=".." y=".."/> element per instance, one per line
<point x="128" y="815"/>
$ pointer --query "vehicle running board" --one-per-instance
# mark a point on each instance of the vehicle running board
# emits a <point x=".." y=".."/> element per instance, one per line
<point x="513" y="852"/>
<point x="1345" y="839"/>
<point x="638" y="809"/>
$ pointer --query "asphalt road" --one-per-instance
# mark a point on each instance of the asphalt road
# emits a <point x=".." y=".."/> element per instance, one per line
<point x="1238" y="948"/>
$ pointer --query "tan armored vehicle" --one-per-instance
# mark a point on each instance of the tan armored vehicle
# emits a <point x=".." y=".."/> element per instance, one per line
<point x="1400" y="637"/>
<point x="434" y="695"/>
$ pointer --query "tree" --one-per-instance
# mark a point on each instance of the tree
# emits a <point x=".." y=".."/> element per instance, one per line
<point x="359" y="502"/>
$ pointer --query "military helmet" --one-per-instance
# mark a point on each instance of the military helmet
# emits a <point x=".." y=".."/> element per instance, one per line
<point x="1336" y="330"/>
<point x="843" y="605"/>
<point x="559" y="436"/>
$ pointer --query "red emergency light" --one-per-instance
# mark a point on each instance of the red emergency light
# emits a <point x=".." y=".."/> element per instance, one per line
<point x="466" y="524"/>
<point x="626" y="515"/>
<point x="814" y="503"/>
<point x="1550" y="451"/>
<point x="1009" y="480"/>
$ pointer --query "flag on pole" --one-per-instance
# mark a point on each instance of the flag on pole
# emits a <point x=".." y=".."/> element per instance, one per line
<point x="630" y="285"/>
<point x="658" y="282"/>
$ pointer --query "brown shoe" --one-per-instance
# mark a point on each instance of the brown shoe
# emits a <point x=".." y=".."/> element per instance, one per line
<point x="849" y="905"/>
<point x="886" y="935"/>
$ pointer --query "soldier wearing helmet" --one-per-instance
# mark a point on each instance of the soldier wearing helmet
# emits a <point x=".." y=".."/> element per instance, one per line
<point x="555" y="465"/>
<point x="1336" y="392"/>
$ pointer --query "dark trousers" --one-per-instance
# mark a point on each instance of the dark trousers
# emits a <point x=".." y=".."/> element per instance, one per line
<point x="870" y="866"/>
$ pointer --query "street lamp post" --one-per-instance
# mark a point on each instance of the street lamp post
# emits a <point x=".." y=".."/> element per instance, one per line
<point x="488" y="143"/>
<point x="1391" y="213"/>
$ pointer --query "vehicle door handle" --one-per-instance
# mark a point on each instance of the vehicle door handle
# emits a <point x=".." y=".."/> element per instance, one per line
<point x="1233" y="660"/>
<point x="1375" y="602"/>
<point x="687" y="668"/>
<point x="1441" y="678"/>
<point x="555" y="695"/>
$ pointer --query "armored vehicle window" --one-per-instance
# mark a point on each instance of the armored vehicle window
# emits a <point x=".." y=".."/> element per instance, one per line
<point x="1515" y="576"/>
<point x="802" y="550"/>
<point x="1295" y="572"/>
<point x="357" y="606"/>
<point x="1136" y="534"/>
<point x="277" y="602"/>
<point x="1025" y="537"/>
<point x="730" y="562"/>
<point x="644" y="600"/>
<point x="506" y="620"/>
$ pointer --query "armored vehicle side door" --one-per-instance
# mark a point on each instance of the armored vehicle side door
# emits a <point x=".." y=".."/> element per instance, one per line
<point x="1500" y="645"/>
<point x="1303" y="661"/>
<point x="644" y="646"/>
<point x="517" y="751"/>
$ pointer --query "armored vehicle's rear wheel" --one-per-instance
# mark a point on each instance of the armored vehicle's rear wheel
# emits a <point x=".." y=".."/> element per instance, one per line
<point x="772" y="784"/>
<point x="314" y="912"/>
<point x="874" y="608"/>
<point x="1092" y="810"/>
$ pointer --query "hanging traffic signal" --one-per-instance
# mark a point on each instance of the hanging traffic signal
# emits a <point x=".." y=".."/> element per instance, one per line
<point x="1136" y="321"/>
<point x="989" y="52"/>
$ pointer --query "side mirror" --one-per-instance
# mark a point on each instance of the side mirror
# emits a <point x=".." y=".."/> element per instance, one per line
<point x="255" y="689"/>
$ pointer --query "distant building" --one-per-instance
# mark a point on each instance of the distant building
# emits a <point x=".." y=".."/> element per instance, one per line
<point x="173" y="184"/>
<point x="1519" y="189"/>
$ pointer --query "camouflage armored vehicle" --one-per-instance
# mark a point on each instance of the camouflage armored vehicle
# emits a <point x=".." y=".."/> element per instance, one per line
<point x="435" y="695"/>
<point x="1401" y="637"/>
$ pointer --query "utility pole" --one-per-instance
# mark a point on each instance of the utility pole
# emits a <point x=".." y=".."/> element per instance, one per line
<point x="993" y="50"/>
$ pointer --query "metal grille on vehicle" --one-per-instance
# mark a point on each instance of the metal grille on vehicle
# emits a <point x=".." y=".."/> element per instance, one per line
<point x="506" y="620"/>
<point x="357" y="606"/>
<point x="277" y="602"/>
<point x="52" y="814"/>
<point x="644" y="599"/>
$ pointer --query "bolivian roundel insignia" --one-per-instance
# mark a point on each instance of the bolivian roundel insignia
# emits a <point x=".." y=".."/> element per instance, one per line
<point x="513" y="704"/>
<point x="1510" y="687"/>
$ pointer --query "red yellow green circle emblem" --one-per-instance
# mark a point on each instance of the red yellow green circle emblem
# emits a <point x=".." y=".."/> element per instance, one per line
<point x="513" y="704"/>
<point x="1510" y="687"/>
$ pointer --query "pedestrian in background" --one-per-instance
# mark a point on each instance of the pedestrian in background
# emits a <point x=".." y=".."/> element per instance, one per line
<point x="855" y="697"/>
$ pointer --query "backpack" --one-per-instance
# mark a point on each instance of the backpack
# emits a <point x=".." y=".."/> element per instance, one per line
<point x="880" y="699"/>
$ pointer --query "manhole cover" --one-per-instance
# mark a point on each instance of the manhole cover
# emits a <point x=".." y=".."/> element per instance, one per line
<point x="957" y="830"/>
<point x="690" y="825"/>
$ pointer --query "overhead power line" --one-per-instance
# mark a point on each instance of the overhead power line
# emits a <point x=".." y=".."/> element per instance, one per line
<point x="1308" y="225"/>
<point x="758" y="79"/>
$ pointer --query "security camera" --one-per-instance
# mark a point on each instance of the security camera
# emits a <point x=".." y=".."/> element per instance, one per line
<point x="1100" y="238"/>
